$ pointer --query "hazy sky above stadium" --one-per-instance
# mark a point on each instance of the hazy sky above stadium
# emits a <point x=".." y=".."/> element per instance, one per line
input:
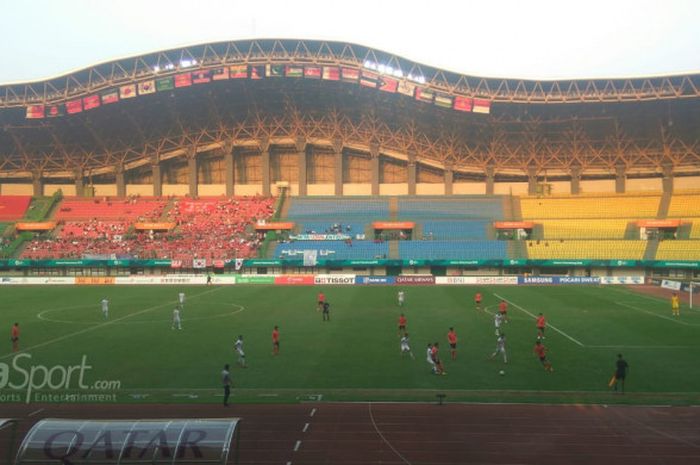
<point x="547" y="39"/>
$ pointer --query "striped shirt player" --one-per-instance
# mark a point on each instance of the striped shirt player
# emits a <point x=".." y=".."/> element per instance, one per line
<point x="105" y="308"/>
<point x="238" y="345"/>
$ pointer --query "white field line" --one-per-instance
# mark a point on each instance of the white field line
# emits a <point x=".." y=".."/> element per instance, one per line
<point x="297" y="445"/>
<point x="374" y="423"/>
<point x="630" y="292"/>
<point x="101" y="325"/>
<point x="641" y="347"/>
<point x="575" y="341"/>
<point x="663" y="317"/>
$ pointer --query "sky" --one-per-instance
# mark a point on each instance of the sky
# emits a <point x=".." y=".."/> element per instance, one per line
<point x="536" y="39"/>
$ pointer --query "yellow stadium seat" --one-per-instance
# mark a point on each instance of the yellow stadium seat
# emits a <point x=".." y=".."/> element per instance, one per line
<point x="679" y="250"/>
<point x="587" y="249"/>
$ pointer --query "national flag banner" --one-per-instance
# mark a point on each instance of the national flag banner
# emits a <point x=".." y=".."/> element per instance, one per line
<point x="350" y="74"/>
<point x="443" y="100"/>
<point x="369" y="79"/>
<point x="331" y="73"/>
<point x="274" y="70"/>
<point x="388" y="84"/>
<point x="74" y="106"/>
<point x="406" y="88"/>
<point x="238" y="264"/>
<point x="147" y="87"/>
<point x="128" y="91"/>
<point x="462" y="103"/>
<point x="166" y="83"/>
<point x="238" y="72"/>
<point x="219" y="74"/>
<point x="257" y="72"/>
<point x="294" y="71"/>
<point x="203" y="76"/>
<point x="91" y="101"/>
<point x="111" y="96"/>
<point x="54" y="111"/>
<point x="36" y="111"/>
<point x="482" y="106"/>
<point x="183" y="80"/>
<point x="199" y="263"/>
<point x="424" y="94"/>
<point x="312" y="72"/>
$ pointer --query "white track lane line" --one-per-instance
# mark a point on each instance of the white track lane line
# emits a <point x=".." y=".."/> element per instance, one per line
<point x="374" y="423"/>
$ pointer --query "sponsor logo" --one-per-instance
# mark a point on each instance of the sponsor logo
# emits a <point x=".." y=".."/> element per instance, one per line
<point x="536" y="280"/>
<point x="332" y="279"/>
<point x="26" y="379"/>
<point x="415" y="280"/>
<point x="375" y="280"/>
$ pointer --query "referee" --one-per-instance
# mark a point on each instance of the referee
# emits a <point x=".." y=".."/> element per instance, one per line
<point x="226" y="381"/>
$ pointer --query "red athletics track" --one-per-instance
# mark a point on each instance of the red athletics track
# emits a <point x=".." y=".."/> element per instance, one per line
<point x="393" y="434"/>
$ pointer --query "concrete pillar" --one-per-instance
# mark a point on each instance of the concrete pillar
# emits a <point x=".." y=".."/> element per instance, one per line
<point x="121" y="181"/>
<point x="667" y="181"/>
<point x="300" y="145"/>
<point x="192" y="167"/>
<point x="37" y="184"/>
<point x="79" y="185"/>
<point x="374" y="154"/>
<point x="157" y="177"/>
<point x="532" y="180"/>
<point x="620" y="178"/>
<point x="575" y="180"/>
<point x="490" y="179"/>
<point x="265" y="166"/>
<point x="449" y="177"/>
<point x="338" y="166"/>
<point x="230" y="168"/>
<point x="412" y="172"/>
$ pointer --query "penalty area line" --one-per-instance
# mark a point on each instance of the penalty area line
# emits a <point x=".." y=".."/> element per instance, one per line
<point x="575" y="341"/>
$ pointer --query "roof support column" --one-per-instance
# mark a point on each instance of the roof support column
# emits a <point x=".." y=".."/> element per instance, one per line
<point x="192" y="170"/>
<point x="667" y="181"/>
<point x="121" y="181"/>
<point x="265" y="165"/>
<point x="620" y="178"/>
<point x="229" y="166"/>
<point x="157" y="176"/>
<point x="79" y="185"/>
<point x="37" y="183"/>
<point x="575" y="180"/>
<point x="532" y="180"/>
<point x="338" y="166"/>
<point x="490" y="179"/>
<point x="300" y="145"/>
<point x="449" y="177"/>
<point x="374" y="154"/>
<point x="412" y="172"/>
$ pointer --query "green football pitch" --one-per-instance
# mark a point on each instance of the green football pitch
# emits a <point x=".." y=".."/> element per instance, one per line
<point x="134" y="355"/>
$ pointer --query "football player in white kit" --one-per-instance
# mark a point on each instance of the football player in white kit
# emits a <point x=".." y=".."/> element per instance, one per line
<point x="429" y="358"/>
<point x="401" y="296"/>
<point x="238" y="345"/>
<point x="181" y="299"/>
<point x="406" y="346"/>
<point x="176" y="319"/>
<point x="497" y="320"/>
<point x="105" y="308"/>
<point x="501" y="347"/>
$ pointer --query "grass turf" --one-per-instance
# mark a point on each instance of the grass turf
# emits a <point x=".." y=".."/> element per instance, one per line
<point x="356" y="355"/>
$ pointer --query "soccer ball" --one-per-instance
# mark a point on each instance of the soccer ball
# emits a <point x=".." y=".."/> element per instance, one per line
<point x="501" y="372"/>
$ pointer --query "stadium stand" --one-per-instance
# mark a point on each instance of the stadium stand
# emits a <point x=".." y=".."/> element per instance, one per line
<point x="13" y="207"/>
<point x="452" y="250"/>
<point x="455" y="229"/>
<point x="325" y="227"/>
<point x="678" y="250"/>
<point x="584" y="229"/>
<point x="586" y="249"/>
<point x="684" y="205"/>
<point x="110" y="209"/>
<point x="335" y="250"/>
<point x="434" y="208"/>
<point x="339" y="209"/>
<point x="611" y="206"/>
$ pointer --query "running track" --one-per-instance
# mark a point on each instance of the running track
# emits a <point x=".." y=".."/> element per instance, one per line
<point x="395" y="434"/>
